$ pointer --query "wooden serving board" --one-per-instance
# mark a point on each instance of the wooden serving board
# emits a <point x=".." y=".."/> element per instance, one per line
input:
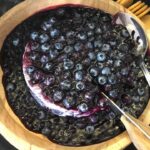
<point x="10" y="126"/>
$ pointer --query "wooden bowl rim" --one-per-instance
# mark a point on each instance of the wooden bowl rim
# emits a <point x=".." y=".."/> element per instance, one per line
<point x="7" y="116"/>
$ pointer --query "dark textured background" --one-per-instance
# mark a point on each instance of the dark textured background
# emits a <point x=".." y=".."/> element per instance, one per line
<point x="4" y="6"/>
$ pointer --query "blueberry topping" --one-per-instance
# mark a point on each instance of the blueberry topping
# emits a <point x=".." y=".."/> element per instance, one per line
<point x="102" y="80"/>
<point x="54" y="33"/>
<point x="58" y="96"/>
<point x="34" y="35"/>
<point x="83" y="107"/>
<point x="68" y="64"/>
<point x="79" y="75"/>
<point x="101" y="56"/>
<point x="43" y="38"/>
<point x="65" y="85"/>
<point x="89" y="129"/>
<point x="106" y="71"/>
<point x="113" y="93"/>
<point x="92" y="55"/>
<point x="94" y="72"/>
<point x="69" y="102"/>
<point x="80" y="86"/>
<point x="10" y="87"/>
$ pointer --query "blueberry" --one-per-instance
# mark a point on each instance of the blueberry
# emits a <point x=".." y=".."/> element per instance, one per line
<point x="69" y="102"/>
<point x="141" y="91"/>
<point x="86" y="62"/>
<point x="53" y="54"/>
<point x="52" y="20"/>
<point x="45" y="47"/>
<point x="61" y="39"/>
<point x="68" y="49"/>
<point x="30" y="69"/>
<point x="58" y="96"/>
<point x="34" y="35"/>
<point x="80" y="86"/>
<point x="125" y="33"/>
<point x="90" y="33"/>
<point x="82" y="36"/>
<point x="59" y="46"/>
<point x="10" y="87"/>
<point x="78" y="46"/>
<point x="98" y="44"/>
<point x="16" y="41"/>
<point x="93" y="72"/>
<point x="92" y="55"/>
<point x="70" y="34"/>
<point x="123" y="47"/>
<point x="102" y="80"/>
<point x="41" y="115"/>
<point x="66" y="75"/>
<point x="112" y="79"/>
<point x="101" y="56"/>
<point x="65" y="85"/>
<point x="88" y="96"/>
<point x="68" y="64"/>
<point x="78" y="75"/>
<point x="49" y="80"/>
<point x="48" y="66"/>
<point x="89" y="129"/>
<point x="125" y="71"/>
<point x="117" y="63"/>
<point x="89" y="45"/>
<point x="46" y="131"/>
<point x="43" y="38"/>
<point x="106" y="47"/>
<point x="112" y="115"/>
<point x="46" y="25"/>
<point x="54" y="33"/>
<point x="98" y="30"/>
<point x="106" y="71"/>
<point x="79" y="66"/>
<point x="113" y="93"/>
<point x="44" y="59"/>
<point x="136" y="98"/>
<point x="91" y="25"/>
<point x="83" y="107"/>
<point x="94" y="118"/>
<point x="34" y="46"/>
<point x="60" y="12"/>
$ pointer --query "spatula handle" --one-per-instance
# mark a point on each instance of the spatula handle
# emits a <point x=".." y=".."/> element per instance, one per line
<point x="138" y="137"/>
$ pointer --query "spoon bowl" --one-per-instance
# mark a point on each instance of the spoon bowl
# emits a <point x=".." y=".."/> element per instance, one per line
<point x="138" y="34"/>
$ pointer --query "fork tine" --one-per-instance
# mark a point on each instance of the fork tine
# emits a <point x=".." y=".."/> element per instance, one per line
<point x="144" y="13"/>
<point x="138" y="7"/>
<point x="134" y="5"/>
<point x="141" y="10"/>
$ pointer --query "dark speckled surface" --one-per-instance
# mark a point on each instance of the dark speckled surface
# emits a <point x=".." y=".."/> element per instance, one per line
<point x="4" y="6"/>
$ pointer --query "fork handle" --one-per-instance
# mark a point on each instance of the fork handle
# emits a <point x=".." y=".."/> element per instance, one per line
<point x="140" y="141"/>
<point x="146" y="72"/>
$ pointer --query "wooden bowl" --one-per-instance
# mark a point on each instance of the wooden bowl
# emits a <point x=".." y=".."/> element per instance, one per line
<point x="10" y="126"/>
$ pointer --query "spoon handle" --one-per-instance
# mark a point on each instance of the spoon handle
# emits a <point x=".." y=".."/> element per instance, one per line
<point x="139" y="139"/>
<point x="146" y="72"/>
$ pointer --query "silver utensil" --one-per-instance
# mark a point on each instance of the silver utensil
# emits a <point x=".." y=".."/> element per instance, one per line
<point x="139" y="36"/>
<point x="127" y="116"/>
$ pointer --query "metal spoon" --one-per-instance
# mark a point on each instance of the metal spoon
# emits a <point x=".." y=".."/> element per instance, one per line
<point x="139" y="36"/>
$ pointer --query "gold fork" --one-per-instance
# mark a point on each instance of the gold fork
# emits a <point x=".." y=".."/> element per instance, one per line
<point x="139" y="8"/>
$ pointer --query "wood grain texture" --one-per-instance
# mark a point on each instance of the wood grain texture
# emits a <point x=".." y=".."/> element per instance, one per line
<point x="10" y="126"/>
<point x="140" y="141"/>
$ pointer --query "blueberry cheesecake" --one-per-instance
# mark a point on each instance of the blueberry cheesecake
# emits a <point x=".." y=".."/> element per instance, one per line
<point x="57" y="63"/>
